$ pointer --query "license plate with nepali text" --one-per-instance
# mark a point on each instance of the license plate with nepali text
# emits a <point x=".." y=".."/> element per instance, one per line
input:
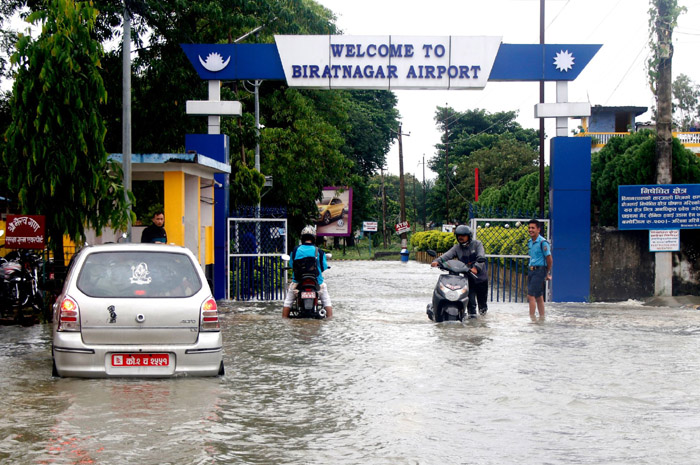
<point x="308" y="295"/>
<point x="140" y="360"/>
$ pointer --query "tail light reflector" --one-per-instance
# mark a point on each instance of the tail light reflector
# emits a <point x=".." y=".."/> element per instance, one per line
<point x="209" y="316"/>
<point x="69" y="315"/>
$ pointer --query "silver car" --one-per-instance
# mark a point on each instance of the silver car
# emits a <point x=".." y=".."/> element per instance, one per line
<point x="141" y="310"/>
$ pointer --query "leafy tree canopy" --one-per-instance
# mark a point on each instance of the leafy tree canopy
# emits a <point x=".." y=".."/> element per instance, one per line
<point x="521" y="196"/>
<point x="54" y="153"/>
<point x="628" y="161"/>
<point x="466" y="134"/>
<point x="506" y="160"/>
<point x="686" y="96"/>
<point x="310" y="139"/>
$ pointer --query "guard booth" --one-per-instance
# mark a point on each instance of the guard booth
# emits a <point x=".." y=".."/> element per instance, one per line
<point x="189" y="193"/>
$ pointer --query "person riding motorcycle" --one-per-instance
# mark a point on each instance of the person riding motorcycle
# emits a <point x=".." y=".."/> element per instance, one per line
<point x="471" y="253"/>
<point x="307" y="248"/>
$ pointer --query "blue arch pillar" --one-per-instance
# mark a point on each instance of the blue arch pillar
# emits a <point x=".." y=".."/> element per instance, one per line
<point x="216" y="146"/>
<point x="570" y="211"/>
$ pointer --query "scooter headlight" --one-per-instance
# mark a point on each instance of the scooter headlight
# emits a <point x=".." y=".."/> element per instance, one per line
<point x="452" y="294"/>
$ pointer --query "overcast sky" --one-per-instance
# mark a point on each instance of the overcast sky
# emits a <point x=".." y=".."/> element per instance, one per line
<point x="615" y="77"/>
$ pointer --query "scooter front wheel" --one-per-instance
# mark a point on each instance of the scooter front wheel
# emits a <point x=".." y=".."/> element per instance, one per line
<point x="451" y="313"/>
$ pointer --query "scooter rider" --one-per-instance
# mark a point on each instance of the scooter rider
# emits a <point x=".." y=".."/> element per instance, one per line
<point x="308" y="249"/>
<point x="471" y="253"/>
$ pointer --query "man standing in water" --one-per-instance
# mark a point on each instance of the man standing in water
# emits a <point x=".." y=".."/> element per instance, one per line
<point x="539" y="269"/>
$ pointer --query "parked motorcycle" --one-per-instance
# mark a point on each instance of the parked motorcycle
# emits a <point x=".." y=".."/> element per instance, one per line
<point x="19" y="277"/>
<point x="451" y="293"/>
<point x="307" y="302"/>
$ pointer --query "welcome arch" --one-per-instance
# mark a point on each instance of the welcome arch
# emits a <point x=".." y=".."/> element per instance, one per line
<point x="389" y="62"/>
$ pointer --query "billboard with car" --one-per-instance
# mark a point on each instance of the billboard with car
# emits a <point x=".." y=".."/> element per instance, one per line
<point x="334" y="212"/>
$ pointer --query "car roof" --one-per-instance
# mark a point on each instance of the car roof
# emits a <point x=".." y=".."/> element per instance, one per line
<point x="136" y="247"/>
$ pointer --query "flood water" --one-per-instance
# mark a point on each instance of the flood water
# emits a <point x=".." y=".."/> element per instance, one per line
<point x="381" y="384"/>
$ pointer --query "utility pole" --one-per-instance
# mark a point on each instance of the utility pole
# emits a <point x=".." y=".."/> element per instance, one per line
<point x="126" y="114"/>
<point x="415" y="201"/>
<point x="383" y="210"/>
<point x="402" y="190"/>
<point x="663" y="283"/>
<point x="542" y="119"/>
<point x="447" y="169"/>
<point x="424" y="204"/>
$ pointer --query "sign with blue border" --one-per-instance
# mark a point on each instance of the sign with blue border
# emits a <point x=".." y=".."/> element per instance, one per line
<point x="390" y="62"/>
<point x="661" y="206"/>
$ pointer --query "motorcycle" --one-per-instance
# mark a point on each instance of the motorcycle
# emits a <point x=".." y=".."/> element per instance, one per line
<point x="451" y="293"/>
<point x="19" y="285"/>
<point x="307" y="302"/>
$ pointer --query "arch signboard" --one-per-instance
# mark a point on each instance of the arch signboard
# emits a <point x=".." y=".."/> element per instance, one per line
<point x="388" y="62"/>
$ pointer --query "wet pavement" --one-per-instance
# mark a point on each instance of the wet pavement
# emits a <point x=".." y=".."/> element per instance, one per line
<point x="381" y="384"/>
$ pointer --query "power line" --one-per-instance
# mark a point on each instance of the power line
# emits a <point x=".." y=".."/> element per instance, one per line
<point x="626" y="73"/>
<point x="555" y="18"/>
<point x="600" y="23"/>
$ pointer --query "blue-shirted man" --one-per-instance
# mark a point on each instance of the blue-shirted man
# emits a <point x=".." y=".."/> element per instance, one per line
<point x="539" y="269"/>
<point x="305" y="250"/>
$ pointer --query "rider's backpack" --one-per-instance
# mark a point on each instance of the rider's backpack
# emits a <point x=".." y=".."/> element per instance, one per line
<point x="305" y="266"/>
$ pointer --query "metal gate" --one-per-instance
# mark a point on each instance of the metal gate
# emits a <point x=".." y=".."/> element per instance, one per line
<point x="255" y="248"/>
<point x="505" y="244"/>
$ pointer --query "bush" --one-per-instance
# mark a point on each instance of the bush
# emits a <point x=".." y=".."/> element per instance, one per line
<point x="433" y="239"/>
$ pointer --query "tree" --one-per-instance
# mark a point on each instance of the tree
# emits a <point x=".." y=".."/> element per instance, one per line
<point x="663" y="18"/>
<point x="354" y="124"/>
<point x="55" y="156"/>
<point x="631" y="161"/>
<point x="686" y="95"/>
<point x="506" y="160"/>
<point x="521" y="197"/>
<point x="463" y="135"/>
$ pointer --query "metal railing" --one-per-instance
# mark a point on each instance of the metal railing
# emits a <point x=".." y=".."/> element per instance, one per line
<point x="600" y="139"/>
<point x="505" y="245"/>
<point x="255" y="247"/>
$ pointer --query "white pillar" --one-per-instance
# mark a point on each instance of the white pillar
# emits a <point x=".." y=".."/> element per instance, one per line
<point x="663" y="281"/>
<point x="562" y="97"/>
<point x="214" y="95"/>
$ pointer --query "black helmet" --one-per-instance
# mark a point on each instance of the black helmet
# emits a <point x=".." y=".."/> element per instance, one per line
<point x="463" y="230"/>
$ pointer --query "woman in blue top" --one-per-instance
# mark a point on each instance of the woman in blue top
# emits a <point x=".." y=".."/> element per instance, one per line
<point x="540" y="268"/>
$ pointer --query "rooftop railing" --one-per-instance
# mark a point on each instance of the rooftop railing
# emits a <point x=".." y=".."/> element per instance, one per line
<point x="688" y="139"/>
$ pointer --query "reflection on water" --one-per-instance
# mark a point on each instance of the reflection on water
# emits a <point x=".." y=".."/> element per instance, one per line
<point x="381" y="384"/>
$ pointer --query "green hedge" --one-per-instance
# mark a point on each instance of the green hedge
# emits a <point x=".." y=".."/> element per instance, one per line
<point x="434" y="240"/>
<point x="497" y="240"/>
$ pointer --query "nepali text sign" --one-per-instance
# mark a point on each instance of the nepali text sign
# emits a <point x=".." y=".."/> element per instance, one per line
<point x="25" y="232"/>
<point x="369" y="226"/>
<point x="664" y="240"/>
<point x="665" y="206"/>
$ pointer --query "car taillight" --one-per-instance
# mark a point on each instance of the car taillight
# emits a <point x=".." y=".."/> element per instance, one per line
<point x="69" y="315"/>
<point x="209" y="316"/>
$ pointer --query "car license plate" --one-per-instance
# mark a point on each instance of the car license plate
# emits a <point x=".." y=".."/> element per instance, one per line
<point x="140" y="360"/>
<point x="308" y="295"/>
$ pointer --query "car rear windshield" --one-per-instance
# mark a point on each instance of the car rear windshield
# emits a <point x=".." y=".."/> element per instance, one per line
<point x="138" y="275"/>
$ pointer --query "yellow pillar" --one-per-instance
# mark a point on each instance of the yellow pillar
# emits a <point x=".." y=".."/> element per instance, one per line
<point x="174" y="206"/>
